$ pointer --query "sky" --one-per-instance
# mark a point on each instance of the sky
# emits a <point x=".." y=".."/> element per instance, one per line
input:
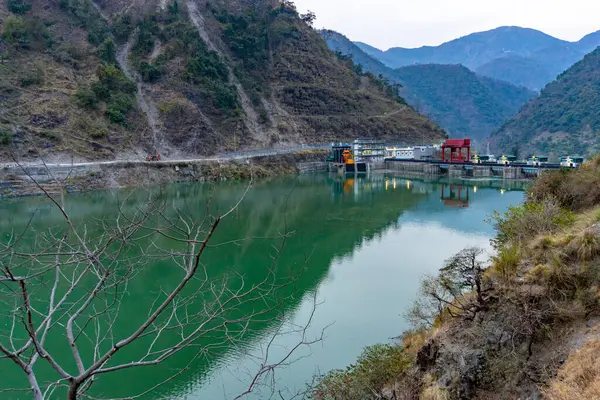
<point x="415" y="23"/>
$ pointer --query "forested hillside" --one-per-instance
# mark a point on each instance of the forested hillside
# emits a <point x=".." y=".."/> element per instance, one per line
<point x="99" y="80"/>
<point x="564" y="119"/>
<point x="463" y="103"/>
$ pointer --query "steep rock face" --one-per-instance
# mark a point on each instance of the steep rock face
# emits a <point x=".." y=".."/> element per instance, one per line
<point x="111" y="78"/>
<point x="463" y="103"/>
<point x="564" y="119"/>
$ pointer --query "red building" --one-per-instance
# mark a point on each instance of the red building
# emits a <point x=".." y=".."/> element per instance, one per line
<point x="459" y="150"/>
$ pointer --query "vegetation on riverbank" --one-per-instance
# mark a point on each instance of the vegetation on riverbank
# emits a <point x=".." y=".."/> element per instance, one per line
<point x="519" y="326"/>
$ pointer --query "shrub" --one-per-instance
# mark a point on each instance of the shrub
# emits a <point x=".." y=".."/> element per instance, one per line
<point x="18" y="6"/>
<point x="112" y="87"/>
<point x="115" y="115"/>
<point x="69" y="54"/>
<point x="86" y="98"/>
<point x="224" y="97"/>
<point x="585" y="246"/>
<point x="88" y="18"/>
<point x="525" y="221"/>
<point x="25" y="33"/>
<point x="6" y="137"/>
<point x="575" y="190"/>
<point x="114" y="80"/>
<point x="506" y="263"/>
<point x="118" y="107"/>
<point x="33" y="75"/>
<point x="148" y="30"/>
<point x="377" y="366"/>
<point x="107" y="51"/>
<point x="151" y="72"/>
<point x="206" y="66"/>
<point x="94" y="127"/>
<point x="123" y="27"/>
<point x="16" y="32"/>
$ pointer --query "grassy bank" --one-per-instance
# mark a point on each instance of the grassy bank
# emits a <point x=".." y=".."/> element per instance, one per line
<point x="524" y="324"/>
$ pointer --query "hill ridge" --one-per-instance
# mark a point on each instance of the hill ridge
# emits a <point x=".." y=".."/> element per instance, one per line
<point x="184" y="78"/>
<point x="460" y="101"/>
<point x="522" y="56"/>
<point x="563" y="119"/>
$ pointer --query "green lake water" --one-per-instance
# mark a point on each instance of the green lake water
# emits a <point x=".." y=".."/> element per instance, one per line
<point x="359" y="247"/>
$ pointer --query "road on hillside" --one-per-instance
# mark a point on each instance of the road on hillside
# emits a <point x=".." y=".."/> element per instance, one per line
<point x="239" y="155"/>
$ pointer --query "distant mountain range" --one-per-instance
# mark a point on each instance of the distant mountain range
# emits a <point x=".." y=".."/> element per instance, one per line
<point x="521" y="56"/>
<point x="564" y="119"/>
<point x="462" y="102"/>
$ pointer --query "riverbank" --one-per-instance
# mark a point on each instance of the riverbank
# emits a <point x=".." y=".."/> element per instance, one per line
<point x="523" y="325"/>
<point x="18" y="180"/>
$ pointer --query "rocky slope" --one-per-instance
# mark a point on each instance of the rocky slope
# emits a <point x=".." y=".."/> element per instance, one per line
<point x="564" y="119"/>
<point x="463" y="103"/>
<point x="103" y="79"/>
<point x="521" y="56"/>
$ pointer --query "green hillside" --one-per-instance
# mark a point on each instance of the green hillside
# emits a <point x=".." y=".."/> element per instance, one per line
<point x="111" y="79"/>
<point x="564" y="119"/>
<point x="462" y="102"/>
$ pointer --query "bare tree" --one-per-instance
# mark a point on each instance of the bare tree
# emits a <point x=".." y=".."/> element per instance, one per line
<point x="71" y="280"/>
<point x="459" y="289"/>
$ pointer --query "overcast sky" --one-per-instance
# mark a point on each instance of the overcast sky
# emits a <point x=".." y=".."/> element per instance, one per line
<point x="414" y="23"/>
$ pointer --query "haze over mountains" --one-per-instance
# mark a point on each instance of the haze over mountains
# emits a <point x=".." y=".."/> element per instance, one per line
<point x="521" y="56"/>
<point x="462" y="102"/>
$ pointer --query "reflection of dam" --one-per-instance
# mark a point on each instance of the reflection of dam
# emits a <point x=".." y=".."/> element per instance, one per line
<point x="455" y="195"/>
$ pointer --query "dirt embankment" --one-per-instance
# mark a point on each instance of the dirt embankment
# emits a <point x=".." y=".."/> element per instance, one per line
<point x="15" y="182"/>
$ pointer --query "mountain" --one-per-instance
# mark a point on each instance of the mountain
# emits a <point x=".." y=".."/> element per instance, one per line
<point x="341" y="44"/>
<point x="564" y="119"/>
<point x="475" y="49"/>
<point x="589" y="42"/>
<point x="112" y="78"/>
<point x="370" y="50"/>
<point x="521" y="56"/>
<point x="521" y="71"/>
<point x="463" y="103"/>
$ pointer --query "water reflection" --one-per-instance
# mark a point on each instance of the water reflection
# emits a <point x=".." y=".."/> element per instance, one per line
<point x="366" y="240"/>
<point x="455" y="195"/>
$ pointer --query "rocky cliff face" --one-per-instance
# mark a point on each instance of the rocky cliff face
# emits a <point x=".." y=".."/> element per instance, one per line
<point x="184" y="78"/>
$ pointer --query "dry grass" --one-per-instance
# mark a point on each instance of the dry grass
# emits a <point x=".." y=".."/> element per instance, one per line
<point x="579" y="378"/>
<point x="431" y="391"/>
<point x="506" y="264"/>
<point x="412" y="341"/>
<point x="585" y="246"/>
